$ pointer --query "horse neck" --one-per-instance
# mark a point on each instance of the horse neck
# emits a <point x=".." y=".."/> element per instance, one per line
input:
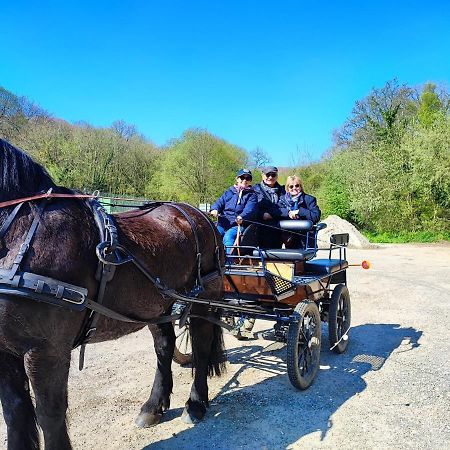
<point x="20" y="176"/>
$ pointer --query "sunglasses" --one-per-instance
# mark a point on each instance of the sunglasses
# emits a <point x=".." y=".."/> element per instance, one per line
<point x="246" y="178"/>
<point x="292" y="186"/>
<point x="271" y="175"/>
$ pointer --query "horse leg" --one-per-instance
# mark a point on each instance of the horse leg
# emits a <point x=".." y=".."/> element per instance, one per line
<point x="159" y="400"/>
<point x="48" y="373"/>
<point x="18" y="409"/>
<point x="202" y="333"/>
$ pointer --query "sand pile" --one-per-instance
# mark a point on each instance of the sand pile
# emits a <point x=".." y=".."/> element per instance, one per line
<point x="337" y="225"/>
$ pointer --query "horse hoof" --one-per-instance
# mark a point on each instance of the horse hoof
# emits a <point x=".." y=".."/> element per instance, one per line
<point x="146" y="420"/>
<point x="188" y="418"/>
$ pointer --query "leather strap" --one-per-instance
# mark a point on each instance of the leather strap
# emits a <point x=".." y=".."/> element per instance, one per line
<point x="45" y="195"/>
<point x="26" y="244"/>
<point x="9" y="220"/>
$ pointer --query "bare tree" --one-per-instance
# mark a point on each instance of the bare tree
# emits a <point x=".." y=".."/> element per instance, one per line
<point x="259" y="158"/>
<point x="124" y="130"/>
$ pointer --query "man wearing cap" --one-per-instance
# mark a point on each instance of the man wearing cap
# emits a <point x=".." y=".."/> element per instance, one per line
<point x="270" y="194"/>
<point x="236" y="204"/>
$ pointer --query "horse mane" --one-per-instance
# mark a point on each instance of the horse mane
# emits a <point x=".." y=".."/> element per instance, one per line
<point x="19" y="174"/>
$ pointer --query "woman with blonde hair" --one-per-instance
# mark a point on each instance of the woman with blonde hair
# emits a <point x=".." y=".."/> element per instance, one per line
<point x="298" y="205"/>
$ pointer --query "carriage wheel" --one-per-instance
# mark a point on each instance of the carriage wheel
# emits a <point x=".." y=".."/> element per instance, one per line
<point x="339" y="317"/>
<point x="303" y="345"/>
<point x="182" y="353"/>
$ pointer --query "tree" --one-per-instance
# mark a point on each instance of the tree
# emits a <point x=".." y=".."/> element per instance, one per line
<point x="124" y="130"/>
<point x="382" y="115"/>
<point x="430" y="105"/>
<point x="259" y="158"/>
<point x="429" y="148"/>
<point x="198" y="167"/>
<point x="15" y="113"/>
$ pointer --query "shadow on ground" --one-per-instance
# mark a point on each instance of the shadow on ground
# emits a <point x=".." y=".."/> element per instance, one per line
<point x="255" y="416"/>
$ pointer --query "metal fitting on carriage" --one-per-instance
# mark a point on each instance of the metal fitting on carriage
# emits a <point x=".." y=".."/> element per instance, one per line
<point x="196" y="290"/>
<point x="280" y="331"/>
<point x="178" y="308"/>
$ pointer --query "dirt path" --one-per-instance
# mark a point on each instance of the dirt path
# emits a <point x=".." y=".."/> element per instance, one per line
<point x="390" y="390"/>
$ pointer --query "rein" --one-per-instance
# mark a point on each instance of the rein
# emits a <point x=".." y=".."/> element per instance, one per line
<point x="265" y="225"/>
<point x="44" y="195"/>
<point x="261" y="224"/>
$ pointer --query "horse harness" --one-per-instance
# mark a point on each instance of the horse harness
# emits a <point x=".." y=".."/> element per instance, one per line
<point x="110" y="253"/>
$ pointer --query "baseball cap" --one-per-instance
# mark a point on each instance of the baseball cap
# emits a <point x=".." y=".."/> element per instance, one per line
<point x="244" y="172"/>
<point x="269" y="169"/>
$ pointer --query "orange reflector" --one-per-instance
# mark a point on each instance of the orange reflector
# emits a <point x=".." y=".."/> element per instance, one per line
<point x="365" y="264"/>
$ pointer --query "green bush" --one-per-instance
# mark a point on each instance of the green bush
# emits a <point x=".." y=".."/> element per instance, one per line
<point x="407" y="236"/>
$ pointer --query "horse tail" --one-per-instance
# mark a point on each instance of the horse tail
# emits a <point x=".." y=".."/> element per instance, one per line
<point x="208" y="348"/>
<point x="218" y="355"/>
<point x="33" y="428"/>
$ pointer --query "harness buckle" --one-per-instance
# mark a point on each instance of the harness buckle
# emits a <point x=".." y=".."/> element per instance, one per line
<point x="59" y="292"/>
<point x="39" y="287"/>
<point x="15" y="281"/>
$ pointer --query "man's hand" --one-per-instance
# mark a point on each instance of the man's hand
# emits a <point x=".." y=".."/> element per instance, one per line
<point x="293" y="214"/>
<point x="239" y="220"/>
<point x="214" y="213"/>
<point x="267" y="216"/>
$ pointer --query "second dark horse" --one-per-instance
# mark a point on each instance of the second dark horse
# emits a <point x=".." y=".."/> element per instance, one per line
<point x="36" y="339"/>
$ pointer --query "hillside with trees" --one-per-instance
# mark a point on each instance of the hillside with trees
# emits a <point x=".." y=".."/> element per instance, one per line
<point x="388" y="171"/>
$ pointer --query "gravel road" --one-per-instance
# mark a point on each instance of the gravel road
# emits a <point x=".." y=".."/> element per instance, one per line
<point x="391" y="389"/>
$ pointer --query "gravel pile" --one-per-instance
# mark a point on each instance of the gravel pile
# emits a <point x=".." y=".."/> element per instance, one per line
<point x="336" y="225"/>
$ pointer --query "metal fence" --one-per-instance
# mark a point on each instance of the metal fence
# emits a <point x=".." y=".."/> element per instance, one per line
<point x="114" y="204"/>
<point x="120" y="204"/>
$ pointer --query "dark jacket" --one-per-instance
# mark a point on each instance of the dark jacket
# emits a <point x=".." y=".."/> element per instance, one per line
<point x="306" y="205"/>
<point x="229" y="206"/>
<point x="267" y="203"/>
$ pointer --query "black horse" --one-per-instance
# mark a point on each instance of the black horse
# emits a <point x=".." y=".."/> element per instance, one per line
<point x="36" y="338"/>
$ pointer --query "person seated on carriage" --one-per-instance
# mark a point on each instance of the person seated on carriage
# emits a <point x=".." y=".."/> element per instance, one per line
<point x="296" y="204"/>
<point x="236" y="204"/>
<point x="270" y="207"/>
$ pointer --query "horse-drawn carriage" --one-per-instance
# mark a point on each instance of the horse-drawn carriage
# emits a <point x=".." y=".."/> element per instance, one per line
<point x="291" y="287"/>
<point x="72" y="275"/>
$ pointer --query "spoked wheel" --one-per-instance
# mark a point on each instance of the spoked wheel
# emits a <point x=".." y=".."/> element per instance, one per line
<point x="303" y="345"/>
<point x="339" y="318"/>
<point x="183" y="345"/>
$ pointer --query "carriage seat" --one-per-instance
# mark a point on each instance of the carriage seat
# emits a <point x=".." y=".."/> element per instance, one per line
<point x="285" y="254"/>
<point x="325" y="266"/>
<point x="305" y="227"/>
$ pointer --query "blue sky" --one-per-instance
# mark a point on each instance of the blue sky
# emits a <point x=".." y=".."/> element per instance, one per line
<point x="277" y="75"/>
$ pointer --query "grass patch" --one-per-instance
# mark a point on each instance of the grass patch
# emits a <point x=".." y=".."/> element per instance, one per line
<point x="406" y="236"/>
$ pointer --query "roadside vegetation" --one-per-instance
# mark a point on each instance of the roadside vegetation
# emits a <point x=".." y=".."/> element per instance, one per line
<point x="388" y="171"/>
